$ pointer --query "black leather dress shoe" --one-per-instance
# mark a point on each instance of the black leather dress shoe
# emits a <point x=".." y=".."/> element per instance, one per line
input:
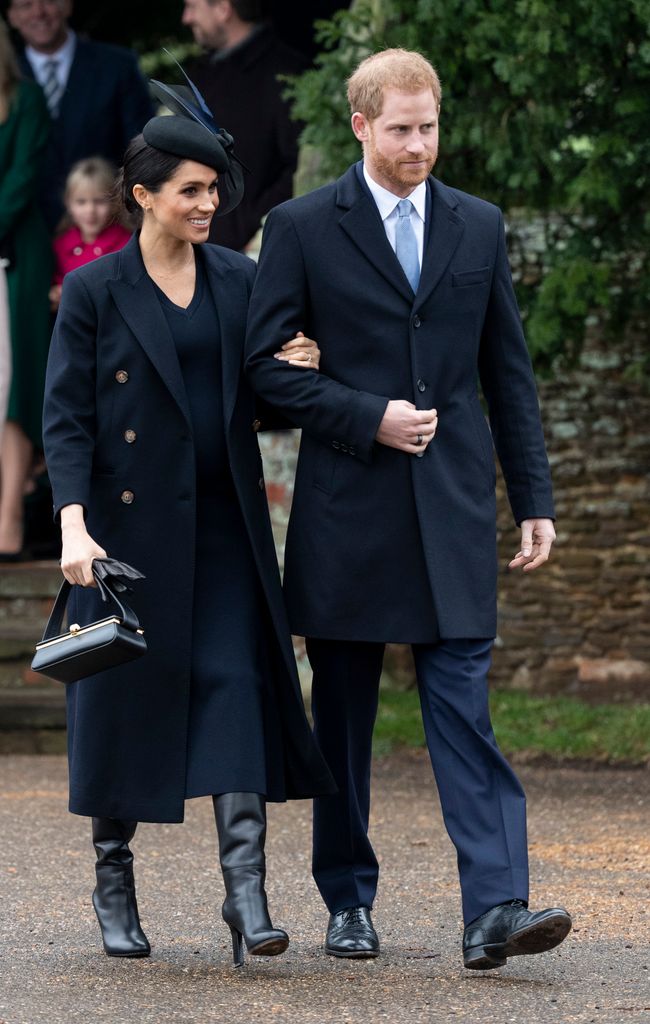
<point x="510" y="929"/>
<point x="351" y="933"/>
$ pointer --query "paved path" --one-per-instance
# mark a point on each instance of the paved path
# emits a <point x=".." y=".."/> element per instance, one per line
<point x="590" y="850"/>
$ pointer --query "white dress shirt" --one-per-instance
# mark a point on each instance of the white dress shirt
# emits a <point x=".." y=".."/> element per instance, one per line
<point x="387" y="205"/>
<point x="63" y="57"/>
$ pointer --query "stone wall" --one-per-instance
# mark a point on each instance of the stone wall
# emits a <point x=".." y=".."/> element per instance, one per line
<point x="581" y="624"/>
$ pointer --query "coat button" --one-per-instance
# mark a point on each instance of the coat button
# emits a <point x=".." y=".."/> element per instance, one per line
<point x="421" y="385"/>
<point x="130" y="436"/>
<point x="336" y="445"/>
<point x="121" y="376"/>
<point x="419" y="455"/>
<point x="256" y="425"/>
<point x="128" y="497"/>
<point x="260" y="483"/>
<point x="416" y="321"/>
<point x="352" y="451"/>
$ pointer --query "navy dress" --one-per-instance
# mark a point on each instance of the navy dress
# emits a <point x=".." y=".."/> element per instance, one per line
<point x="230" y="699"/>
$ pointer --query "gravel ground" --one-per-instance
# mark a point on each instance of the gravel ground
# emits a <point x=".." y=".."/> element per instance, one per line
<point x="590" y="851"/>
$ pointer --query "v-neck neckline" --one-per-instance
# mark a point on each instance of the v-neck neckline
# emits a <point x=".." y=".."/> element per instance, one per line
<point x="194" y="303"/>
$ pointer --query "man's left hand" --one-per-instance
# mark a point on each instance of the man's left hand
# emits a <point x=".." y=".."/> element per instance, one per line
<point x="537" y="536"/>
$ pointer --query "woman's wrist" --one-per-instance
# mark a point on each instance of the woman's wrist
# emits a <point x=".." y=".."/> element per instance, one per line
<point x="72" y="518"/>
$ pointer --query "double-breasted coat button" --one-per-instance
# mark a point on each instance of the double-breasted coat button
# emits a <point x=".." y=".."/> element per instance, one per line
<point x="256" y="424"/>
<point x="121" y="376"/>
<point x="416" y="321"/>
<point x="128" y="497"/>
<point x="260" y="483"/>
<point x="130" y="436"/>
<point x="421" y="385"/>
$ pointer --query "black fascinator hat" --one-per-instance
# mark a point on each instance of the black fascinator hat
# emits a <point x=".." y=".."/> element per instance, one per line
<point x="193" y="134"/>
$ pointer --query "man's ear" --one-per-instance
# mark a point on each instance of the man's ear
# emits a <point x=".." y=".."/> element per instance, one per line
<point x="359" y="126"/>
<point x="225" y="10"/>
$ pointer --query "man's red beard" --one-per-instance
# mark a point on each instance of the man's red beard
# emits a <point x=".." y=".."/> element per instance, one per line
<point x="397" y="170"/>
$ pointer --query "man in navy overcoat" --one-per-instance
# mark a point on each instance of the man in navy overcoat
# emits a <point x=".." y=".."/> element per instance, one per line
<point x="405" y="284"/>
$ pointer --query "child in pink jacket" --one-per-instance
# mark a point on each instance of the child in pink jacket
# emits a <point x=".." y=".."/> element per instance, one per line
<point x="93" y="230"/>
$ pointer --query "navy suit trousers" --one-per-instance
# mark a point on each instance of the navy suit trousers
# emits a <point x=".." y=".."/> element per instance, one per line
<point x="483" y="803"/>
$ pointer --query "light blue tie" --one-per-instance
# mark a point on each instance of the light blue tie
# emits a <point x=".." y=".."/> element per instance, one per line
<point x="406" y="244"/>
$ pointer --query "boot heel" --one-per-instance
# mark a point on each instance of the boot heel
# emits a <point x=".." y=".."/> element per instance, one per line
<point x="237" y="947"/>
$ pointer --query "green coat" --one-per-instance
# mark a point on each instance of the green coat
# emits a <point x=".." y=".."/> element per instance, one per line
<point x="23" y="235"/>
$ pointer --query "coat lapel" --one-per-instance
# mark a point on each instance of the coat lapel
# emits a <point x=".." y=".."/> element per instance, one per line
<point x="361" y="221"/>
<point x="443" y="235"/>
<point x="230" y="296"/>
<point x="135" y="297"/>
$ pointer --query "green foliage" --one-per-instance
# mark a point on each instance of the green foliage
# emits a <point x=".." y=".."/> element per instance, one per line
<point x="545" y="108"/>
<point x="556" y="727"/>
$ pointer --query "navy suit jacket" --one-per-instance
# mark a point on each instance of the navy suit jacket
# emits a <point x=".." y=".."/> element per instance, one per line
<point x="105" y="104"/>
<point x="361" y="509"/>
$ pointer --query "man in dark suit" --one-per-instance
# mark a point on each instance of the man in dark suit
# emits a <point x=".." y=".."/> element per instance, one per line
<point x="406" y="286"/>
<point x="97" y="98"/>
<point x="239" y="79"/>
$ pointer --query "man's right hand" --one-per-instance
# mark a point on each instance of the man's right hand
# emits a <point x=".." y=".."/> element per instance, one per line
<point x="406" y="428"/>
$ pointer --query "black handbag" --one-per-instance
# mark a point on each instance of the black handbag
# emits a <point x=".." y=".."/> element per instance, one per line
<point x="86" y="650"/>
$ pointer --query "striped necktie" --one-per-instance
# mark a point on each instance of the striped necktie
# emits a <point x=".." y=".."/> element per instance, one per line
<point x="52" y="87"/>
<point x="406" y="245"/>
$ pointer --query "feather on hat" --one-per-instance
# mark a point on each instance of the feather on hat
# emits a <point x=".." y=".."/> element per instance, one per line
<point x="192" y="133"/>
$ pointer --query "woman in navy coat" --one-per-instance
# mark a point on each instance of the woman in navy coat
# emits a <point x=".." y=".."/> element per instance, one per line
<point x="150" y="437"/>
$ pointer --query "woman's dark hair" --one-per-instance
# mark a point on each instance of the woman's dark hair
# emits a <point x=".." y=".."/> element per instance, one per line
<point x="146" y="166"/>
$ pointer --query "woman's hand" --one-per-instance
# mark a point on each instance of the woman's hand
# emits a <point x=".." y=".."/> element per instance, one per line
<point x="300" y="351"/>
<point x="79" y="549"/>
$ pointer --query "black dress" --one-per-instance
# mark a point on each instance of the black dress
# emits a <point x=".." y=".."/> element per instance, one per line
<point x="229" y="698"/>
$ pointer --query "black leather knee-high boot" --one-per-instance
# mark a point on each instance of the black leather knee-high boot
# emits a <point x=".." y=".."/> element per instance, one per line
<point x="241" y="825"/>
<point x="114" y="897"/>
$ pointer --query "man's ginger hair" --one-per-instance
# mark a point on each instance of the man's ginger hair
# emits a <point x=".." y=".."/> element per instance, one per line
<point x="390" y="69"/>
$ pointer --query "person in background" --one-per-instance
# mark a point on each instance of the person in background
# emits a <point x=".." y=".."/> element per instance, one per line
<point x="5" y="345"/>
<point x="95" y="94"/>
<point x="25" y="249"/>
<point x="239" y="77"/>
<point x="90" y="226"/>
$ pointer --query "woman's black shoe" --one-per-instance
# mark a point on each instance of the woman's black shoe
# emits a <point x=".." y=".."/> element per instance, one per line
<point x="351" y="933"/>
<point x="241" y="825"/>
<point x="114" y="897"/>
<point x="510" y="929"/>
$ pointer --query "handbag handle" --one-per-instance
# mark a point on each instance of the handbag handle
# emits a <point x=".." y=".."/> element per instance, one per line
<point x="54" y="623"/>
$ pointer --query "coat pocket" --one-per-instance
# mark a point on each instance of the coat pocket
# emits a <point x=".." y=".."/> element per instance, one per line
<point x="467" y="277"/>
